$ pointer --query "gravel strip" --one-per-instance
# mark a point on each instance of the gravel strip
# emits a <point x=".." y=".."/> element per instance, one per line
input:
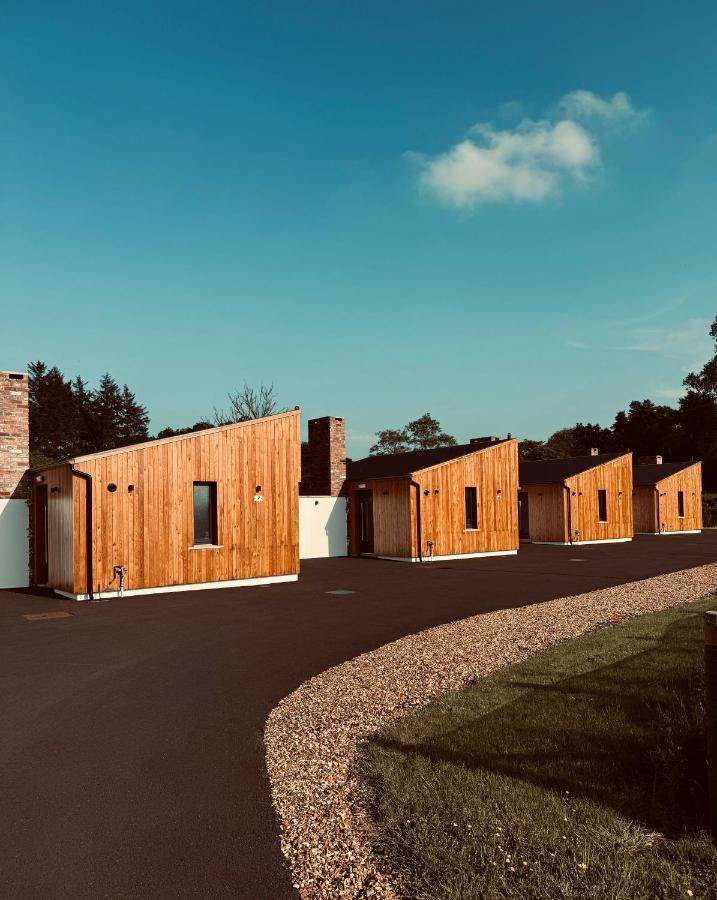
<point x="312" y="736"/>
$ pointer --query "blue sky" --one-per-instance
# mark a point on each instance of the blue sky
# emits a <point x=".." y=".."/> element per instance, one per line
<point x="504" y="216"/>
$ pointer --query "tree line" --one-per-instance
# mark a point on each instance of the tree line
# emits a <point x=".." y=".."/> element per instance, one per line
<point x="68" y="418"/>
<point x="687" y="431"/>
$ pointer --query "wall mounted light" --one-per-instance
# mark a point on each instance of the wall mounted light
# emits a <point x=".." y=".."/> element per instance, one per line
<point x="111" y="487"/>
<point x="257" y="489"/>
<point x="130" y="488"/>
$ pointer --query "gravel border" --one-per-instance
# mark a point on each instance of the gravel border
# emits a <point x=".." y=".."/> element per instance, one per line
<point x="312" y="735"/>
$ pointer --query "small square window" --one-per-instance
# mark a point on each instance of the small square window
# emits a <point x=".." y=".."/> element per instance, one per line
<point x="205" y="512"/>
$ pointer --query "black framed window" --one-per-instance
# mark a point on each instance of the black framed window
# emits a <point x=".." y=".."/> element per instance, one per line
<point x="205" y="512"/>
<point x="681" y="504"/>
<point x="602" y="506"/>
<point x="471" y="498"/>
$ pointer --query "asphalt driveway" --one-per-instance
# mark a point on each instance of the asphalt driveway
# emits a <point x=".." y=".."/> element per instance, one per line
<point x="131" y="743"/>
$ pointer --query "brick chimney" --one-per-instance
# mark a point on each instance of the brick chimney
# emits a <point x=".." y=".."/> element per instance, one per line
<point x="655" y="460"/>
<point x="14" y="436"/>
<point x="323" y="459"/>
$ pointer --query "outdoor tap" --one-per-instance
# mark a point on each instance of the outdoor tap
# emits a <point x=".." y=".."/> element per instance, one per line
<point x="121" y="571"/>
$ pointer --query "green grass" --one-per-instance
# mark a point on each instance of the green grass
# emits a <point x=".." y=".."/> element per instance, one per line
<point x="579" y="773"/>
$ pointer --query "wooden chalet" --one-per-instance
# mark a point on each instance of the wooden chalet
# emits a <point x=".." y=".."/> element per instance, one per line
<point x="667" y="496"/>
<point x="445" y="503"/>
<point x="579" y="500"/>
<point x="212" y="508"/>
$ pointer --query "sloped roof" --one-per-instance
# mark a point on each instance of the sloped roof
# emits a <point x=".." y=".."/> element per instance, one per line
<point x="545" y="471"/>
<point x="651" y="473"/>
<point x="395" y="465"/>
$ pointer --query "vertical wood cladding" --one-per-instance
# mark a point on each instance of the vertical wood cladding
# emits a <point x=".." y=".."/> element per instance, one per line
<point x="551" y="517"/>
<point x="644" y="509"/>
<point x="615" y="478"/>
<point x="60" y="543"/>
<point x="494" y="472"/>
<point x="149" y="529"/>
<point x="440" y="492"/>
<point x="652" y="515"/>
<point x="547" y="512"/>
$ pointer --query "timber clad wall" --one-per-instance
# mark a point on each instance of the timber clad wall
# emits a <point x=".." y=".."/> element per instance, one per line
<point x="614" y="477"/>
<point x="646" y="505"/>
<point x="554" y="509"/>
<point x="547" y="512"/>
<point x="150" y="528"/>
<point x="493" y="470"/>
<point x="14" y="436"/>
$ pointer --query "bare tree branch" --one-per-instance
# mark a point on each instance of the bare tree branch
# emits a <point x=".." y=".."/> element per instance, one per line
<point x="249" y="403"/>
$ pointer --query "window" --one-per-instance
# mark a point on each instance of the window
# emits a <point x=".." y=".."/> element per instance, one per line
<point x="471" y="508"/>
<point x="205" y="512"/>
<point x="681" y="504"/>
<point x="602" y="506"/>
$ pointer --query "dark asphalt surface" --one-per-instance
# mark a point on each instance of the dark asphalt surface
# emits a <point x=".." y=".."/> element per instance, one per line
<point x="131" y="743"/>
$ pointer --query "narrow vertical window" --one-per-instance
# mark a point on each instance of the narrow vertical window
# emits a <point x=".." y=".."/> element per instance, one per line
<point x="602" y="506"/>
<point x="681" y="504"/>
<point x="471" y="495"/>
<point x="205" y="512"/>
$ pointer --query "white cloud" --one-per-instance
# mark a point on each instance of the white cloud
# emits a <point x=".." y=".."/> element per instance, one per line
<point x="578" y="345"/>
<point x="669" y="393"/>
<point x="526" y="164"/>
<point x="587" y="105"/>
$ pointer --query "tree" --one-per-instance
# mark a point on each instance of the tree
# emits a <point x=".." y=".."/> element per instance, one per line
<point x="647" y="428"/>
<point x="174" y="432"/>
<point x="425" y="433"/>
<point x="249" y="403"/>
<point x="705" y="381"/>
<point x="391" y="440"/>
<point x="53" y="414"/>
<point x="133" y="420"/>
<point x="528" y="449"/>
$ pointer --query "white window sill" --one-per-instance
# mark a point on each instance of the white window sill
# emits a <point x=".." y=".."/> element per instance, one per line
<point x="207" y="547"/>
<point x="471" y="529"/>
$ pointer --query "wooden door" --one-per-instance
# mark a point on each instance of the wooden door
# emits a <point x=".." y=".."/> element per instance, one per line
<point x="365" y="515"/>
<point x="523" y="515"/>
<point x="39" y="534"/>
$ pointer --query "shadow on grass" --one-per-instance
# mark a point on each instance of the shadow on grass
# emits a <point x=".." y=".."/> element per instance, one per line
<point x="628" y="734"/>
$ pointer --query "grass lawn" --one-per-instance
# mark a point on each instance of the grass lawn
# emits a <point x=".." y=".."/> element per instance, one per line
<point x="579" y="773"/>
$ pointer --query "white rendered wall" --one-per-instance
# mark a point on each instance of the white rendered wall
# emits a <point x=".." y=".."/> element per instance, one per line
<point x="13" y="544"/>
<point x="322" y="527"/>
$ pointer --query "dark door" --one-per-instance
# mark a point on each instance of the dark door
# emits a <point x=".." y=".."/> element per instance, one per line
<point x="523" y="515"/>
<point x="365" y="516"/>
<point x="39" y="534"/>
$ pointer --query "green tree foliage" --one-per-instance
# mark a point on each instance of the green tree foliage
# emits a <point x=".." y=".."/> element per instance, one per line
<point x="391" y="440"/>
<point x="423" y="433"/>
<point x="174" y="432"/>
<point x="67" y="419"/>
